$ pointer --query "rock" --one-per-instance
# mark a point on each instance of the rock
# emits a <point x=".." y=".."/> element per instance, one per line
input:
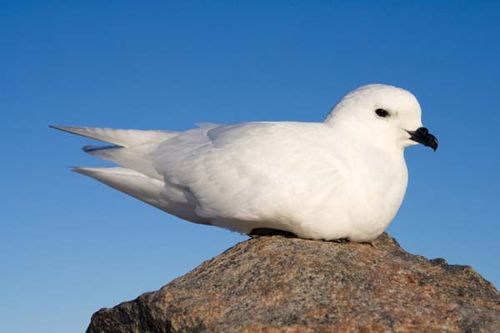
<point x="278" y="284"/>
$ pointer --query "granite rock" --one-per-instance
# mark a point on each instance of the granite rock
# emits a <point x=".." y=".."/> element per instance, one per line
<point x="279" y="284"/>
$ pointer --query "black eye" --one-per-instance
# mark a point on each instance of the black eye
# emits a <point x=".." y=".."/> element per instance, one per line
<point x="382" y="113"/>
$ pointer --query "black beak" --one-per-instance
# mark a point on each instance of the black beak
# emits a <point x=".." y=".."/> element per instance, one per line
<point x="422" y="135"/>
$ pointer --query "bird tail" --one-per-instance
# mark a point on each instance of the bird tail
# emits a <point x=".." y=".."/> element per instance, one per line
<point x="118" y="137"/>
<point x="129" y="148"/>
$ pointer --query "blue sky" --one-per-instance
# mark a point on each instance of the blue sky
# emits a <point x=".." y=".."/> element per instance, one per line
<point x="69" y="245"/>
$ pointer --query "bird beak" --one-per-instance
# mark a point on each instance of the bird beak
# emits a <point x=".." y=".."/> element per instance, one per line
<point x="422" y="135"/>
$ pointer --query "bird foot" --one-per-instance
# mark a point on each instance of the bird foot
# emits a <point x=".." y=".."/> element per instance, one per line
<point x="346" y="240"/>
<point x="341" y="240"/>
<point x="259" y="232"/>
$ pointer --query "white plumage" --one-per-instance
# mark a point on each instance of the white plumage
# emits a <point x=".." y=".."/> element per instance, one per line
<point x="341" y="178"/>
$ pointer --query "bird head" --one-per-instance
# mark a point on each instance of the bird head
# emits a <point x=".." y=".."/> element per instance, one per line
<point x="385" y="116"/>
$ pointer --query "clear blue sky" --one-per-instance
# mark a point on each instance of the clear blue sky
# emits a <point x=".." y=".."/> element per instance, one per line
<point x="69" y="245"/>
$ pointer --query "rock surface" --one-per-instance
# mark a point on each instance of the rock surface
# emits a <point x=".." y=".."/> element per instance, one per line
<point x="278" y="284"/>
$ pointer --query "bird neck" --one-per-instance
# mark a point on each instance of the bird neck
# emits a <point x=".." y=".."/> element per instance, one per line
<point x="354" y="135"/>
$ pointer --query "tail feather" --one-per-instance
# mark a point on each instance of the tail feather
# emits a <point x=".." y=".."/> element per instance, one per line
<point x="130" y="148"/>
<point x="120" y="137"/>
<point x="128" y="181"/>
<point x="93" y="148"/>
<point x="133" y="151"/>
<point x="135" y="158"/>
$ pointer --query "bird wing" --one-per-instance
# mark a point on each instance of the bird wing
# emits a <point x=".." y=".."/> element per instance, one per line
<point x="250" y="171"/>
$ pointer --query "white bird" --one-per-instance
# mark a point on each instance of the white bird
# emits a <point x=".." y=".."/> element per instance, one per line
<point x="344" y="178"/>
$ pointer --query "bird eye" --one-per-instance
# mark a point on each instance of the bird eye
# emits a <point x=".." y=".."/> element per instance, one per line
<point x="382" y="113"/>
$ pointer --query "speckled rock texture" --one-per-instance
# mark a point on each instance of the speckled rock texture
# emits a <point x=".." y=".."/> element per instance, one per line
<point x="277" y="284"/>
